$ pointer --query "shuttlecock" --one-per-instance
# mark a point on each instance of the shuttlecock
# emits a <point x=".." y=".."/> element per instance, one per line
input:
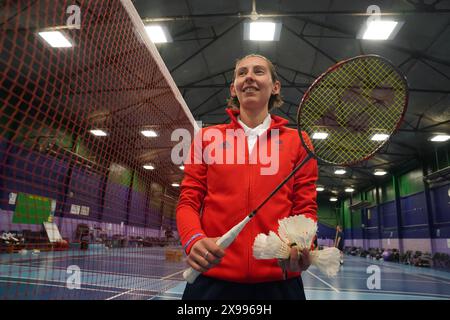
<point x="300" y="231"/>
<point x="269" y="247"/>
<point x="326" y="260"/>
<point x="297" y="229"/>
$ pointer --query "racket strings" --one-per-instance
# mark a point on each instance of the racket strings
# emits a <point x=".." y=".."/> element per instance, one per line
<point x="351" y="104"/>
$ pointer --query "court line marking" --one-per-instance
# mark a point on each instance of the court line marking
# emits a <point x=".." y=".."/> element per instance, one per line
<point x="131" y="290"/>
<point x="405" y="271"/>
<point x="318" y="278"/>
<point x="88" y="289"/>
<point x="83" y="284"/>
<point x="93" y="271"/>
<point x="405" y="293"/>
<point x="390" y="279"/>
<point x="55" y="285"/>
<point x="401" y="296"/>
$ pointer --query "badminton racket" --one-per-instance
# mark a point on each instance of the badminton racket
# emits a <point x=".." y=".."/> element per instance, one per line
<point x="350" y="111"/>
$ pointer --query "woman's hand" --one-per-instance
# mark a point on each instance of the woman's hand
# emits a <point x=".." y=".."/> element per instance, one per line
<point x="298" y="261"/>
<point x="205" y="254"/>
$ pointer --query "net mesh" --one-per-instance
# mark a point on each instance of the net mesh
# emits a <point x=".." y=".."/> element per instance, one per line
<point x="351" y="110"/>
<point x="80" y="218"/>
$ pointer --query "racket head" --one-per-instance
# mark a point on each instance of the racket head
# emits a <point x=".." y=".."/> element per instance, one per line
<point x="350" y="103"/>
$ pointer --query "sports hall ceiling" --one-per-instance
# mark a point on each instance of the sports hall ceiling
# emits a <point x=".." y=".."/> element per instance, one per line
<point x="208" y="38"/>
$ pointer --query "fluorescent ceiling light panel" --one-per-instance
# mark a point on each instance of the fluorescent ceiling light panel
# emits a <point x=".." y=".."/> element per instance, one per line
<point x="56" y="39"/>
<point x="340" y="171"/>
<point x="379" y="172"/>
<point x="380" y="30"/>
<point x="149" y="133"/>
<point x="98" y="133"/>
<point x="158" y="34"/>
<point x="319" y="135"/>
<point x="440" y="138"/>
<point x="262" y="31"/>
<point x="148" y="167"/>
<point x="380" y="137"/>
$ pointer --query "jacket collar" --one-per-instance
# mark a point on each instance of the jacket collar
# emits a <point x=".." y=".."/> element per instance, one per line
<point x="277" y="122"/>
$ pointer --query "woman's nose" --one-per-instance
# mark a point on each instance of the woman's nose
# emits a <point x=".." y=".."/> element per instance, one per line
<point x="249" y="77"/>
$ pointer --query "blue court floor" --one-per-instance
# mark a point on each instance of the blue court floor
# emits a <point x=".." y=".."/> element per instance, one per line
<point x="144" y="274"/>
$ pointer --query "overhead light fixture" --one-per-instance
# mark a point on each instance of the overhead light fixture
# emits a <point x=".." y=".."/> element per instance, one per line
<point x="380" y="30"/>
<point x="148" y="167"/>
<point x="56" y="39"/>
<point x="262" y="31"/>
<point x="379" y="137"/>
<point x="319" y="135"/>
<point x="333" y="199"/>
<point x="340" y="171"/>
<point x="320" y="188"/>
<point x="158" y="34"/>
<point x="176" y="185"/>
<point x="440" y="138"/>
<point x="349" y="189"/>
<point x="149" y="133"/>
<point x="98" y="132"/>
<point x="181" y="167"/>
<point x="379" y="172"/>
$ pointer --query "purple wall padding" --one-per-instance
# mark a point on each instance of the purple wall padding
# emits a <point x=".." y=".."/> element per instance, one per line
<point x="85" y="187"/>
<point x="115" y="208"/>
<point x="138" y="209"/>
<point x="388" y="213"/>
<point x="33" y="173"/>
<point x="440" y="203"/>
<point x="414" y="210"/>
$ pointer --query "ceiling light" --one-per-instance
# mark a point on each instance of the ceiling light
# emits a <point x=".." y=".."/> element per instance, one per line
<point x="149" y="133"/>
<point x="158" y="34"/>
<point x="340" y="171"/>
<point x="148" y="167"/>
<point x="320" y="188"/>
<point x="56" y="39"/>
<point x="176" y="185"/>
<point x="262" y="31"/>
<point x="333" y="199"/>
<point x="379" y="137"/>
<point x="98" y="132"/>
<point x="440" y="138"/>
<point x="320" y="135"/>
<point x="380" y="30"/>
<point x="349" y="189"/>
<point x="181" y="167"/>
<point x="380" y="172"/>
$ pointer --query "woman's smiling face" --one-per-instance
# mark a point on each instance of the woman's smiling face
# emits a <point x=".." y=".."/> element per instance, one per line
<point x="253" y="84"/>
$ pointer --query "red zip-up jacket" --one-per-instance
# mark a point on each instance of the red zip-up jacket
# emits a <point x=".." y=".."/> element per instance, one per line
<point x="215" y="197"/>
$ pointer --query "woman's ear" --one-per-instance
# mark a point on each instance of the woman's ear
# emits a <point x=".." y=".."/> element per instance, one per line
<point x="232" y="90"/>
<point x="276" y="87"/>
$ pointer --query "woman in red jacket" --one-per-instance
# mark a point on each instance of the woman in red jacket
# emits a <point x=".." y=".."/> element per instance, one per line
<point x="231" y="169"/>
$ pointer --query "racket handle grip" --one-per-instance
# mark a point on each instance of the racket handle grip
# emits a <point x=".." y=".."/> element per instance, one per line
<point x="224" y="242"/>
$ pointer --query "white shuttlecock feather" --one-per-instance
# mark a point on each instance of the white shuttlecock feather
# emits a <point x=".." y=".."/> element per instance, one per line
<point x="326" y="260"/>
<point x="269" y="247"/>
<point x="299" y="230"/>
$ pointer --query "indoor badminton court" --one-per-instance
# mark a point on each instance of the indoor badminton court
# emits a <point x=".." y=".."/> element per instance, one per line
<point x="102" y="100"/>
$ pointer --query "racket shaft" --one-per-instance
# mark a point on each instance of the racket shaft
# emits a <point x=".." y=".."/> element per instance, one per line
<point x="224" y="242"/>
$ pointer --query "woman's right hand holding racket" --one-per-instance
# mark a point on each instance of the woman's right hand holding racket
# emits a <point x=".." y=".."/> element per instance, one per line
<point x="205" y="254"/>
